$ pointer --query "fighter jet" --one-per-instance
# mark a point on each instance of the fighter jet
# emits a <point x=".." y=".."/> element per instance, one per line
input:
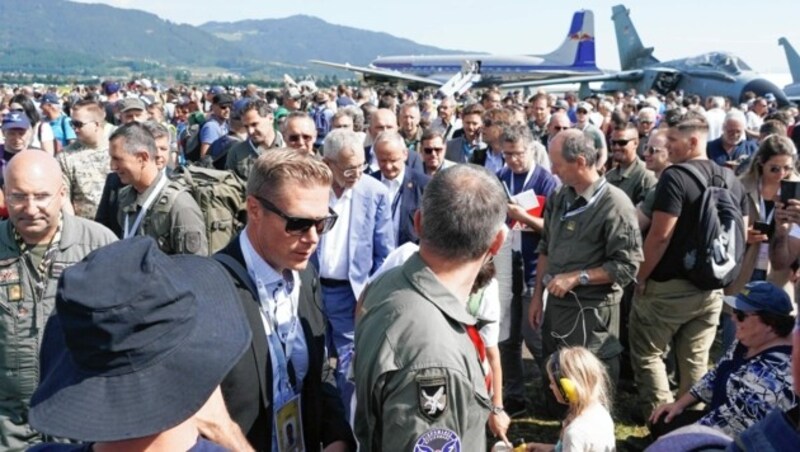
<point x="456" y="73"/>
<point x="792" y="90"/>
<point x="709" y="74"/>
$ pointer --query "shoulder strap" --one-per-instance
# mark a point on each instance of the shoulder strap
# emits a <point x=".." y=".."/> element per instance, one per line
<point x="238" y="271"/>
<point x="699" y="177"/>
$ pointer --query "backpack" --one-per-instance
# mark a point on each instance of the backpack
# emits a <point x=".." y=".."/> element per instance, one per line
<point x="714" y="251"/>
<point x="190" y="137"/>
<point x="321" y="122"/>
<point x="220" y="195"/>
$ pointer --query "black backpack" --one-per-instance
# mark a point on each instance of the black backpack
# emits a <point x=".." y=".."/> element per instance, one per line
<point x="714" y="251"/>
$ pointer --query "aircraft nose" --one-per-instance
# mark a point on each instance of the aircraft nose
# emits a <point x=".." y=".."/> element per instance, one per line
<point x="761" y="87"/>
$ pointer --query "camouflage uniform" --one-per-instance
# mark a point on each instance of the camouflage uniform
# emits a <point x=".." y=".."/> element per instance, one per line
<point x="85" y="170"/>
<point x="28" y="280"/>
<point x="174" y="219"/>
<point x="242" y="155"/>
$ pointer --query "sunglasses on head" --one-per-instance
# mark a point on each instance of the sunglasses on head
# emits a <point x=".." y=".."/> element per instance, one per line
<point x="430" y="151"/>
<point x="299" y="226"/>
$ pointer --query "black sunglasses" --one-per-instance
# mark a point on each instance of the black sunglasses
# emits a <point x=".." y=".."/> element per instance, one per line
<point x="79" y="124"/>
<point x="620" y="142"/>
<point x="741" y="315"/>
<point x="651" y="150"/>
<point x="294" y="138"/>
<point x="299" y="226"/>
<point x="432" y="150"/>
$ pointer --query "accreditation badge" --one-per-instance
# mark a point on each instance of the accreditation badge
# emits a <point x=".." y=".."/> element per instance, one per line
<point x="289" y="426"/>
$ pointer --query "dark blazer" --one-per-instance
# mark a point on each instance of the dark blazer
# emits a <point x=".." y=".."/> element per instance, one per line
<point x="455" y="152"/>
<point x="247" y="389"/>
<point x="414" y="160"/>
<point x="411" y="190"/>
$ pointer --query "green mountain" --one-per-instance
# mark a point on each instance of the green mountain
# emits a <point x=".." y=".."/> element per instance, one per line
<point x="64" y="37"/>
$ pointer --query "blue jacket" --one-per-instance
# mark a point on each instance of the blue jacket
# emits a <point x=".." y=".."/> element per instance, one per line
<point x="410" y="194"/>
<point x="542" y="183"/>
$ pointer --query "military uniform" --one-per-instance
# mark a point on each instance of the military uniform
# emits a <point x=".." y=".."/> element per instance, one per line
<point x="28" y="281"/>
<point x="636" y="180"/>
<point x="85" y="170"/>
<point x="419" y="380"/>
<point x="602" y="233"/>
<point x="174" y="219"/>
<point x="242" y="156"/>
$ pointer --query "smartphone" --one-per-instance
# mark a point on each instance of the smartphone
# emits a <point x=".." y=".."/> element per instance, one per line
<point x="762" y="227"/>
<point x="789" y="190"/>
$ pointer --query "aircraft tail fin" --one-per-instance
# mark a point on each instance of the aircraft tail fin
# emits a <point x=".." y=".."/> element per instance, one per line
<point x="632" y="53"/>
<point x="793" y="58"/>
<point x="578" y="47"/>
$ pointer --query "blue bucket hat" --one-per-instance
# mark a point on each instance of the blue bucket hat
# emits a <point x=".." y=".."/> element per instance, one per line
<point x="138" y="343"/>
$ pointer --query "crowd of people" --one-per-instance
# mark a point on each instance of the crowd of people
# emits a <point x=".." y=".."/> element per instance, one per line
<point x="364" y="267"/>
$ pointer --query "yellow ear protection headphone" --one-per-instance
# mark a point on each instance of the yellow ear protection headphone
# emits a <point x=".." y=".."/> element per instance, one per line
<point x="565" y="386"/>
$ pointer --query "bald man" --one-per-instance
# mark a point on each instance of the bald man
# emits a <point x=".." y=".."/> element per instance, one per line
<point x="37" y="243"/>
<point x="384" y="120"/>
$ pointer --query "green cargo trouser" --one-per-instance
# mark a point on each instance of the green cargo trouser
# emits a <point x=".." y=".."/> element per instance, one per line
<point x="678" y="310"/>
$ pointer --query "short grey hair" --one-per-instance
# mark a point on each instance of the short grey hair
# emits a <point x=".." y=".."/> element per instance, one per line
<point x="340" y="140"/>
<point x="136" y="139"/>
<point x="647" y="111"/>
<point x="735" y="115"/>
<point x="463" y="209"/>
<point x="354" y="113"/>
<point x="389" y="136"/>
<point x="578" y="143"/>
<point x="157" y="129"/>
<point x="718" y="102"/>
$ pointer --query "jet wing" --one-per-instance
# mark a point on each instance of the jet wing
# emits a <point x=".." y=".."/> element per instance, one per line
<point x="380" y="73"/>
<point x="623" y="76"/>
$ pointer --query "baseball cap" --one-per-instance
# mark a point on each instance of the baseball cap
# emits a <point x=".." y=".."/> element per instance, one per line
<point x="130" y="103"/>
<point x="761" y="296"/>
<point x="51" y="98"/>
<point x="584" y="106"/>
<point x="216" y="90"/>
<point x="561" y="104"/>
<point x="16" y="120"/>
<point x="111" y="88"/>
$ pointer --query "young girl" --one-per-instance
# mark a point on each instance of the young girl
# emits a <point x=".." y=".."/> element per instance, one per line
<point x="578" y="379"/>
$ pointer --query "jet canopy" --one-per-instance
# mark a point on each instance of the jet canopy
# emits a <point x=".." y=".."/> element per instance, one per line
<point x="720" y="61"/>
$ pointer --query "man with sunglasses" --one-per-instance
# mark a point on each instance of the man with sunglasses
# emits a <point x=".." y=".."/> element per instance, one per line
<point x="85" y="162"/>
<point x="300" y="132"/>
<point x="655" y="160"/>
<point x="217" y="124"/>
<point x="37" y="243"/>
<point x="630" y="174"/>
<point x="287" y="211"/>
<point x="432" y="149"/>
<point x="645" y="124"/>
<point x="356" y="247"/>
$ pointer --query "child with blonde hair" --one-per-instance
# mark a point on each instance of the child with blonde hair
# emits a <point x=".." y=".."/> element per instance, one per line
<point x="578" y="379"/>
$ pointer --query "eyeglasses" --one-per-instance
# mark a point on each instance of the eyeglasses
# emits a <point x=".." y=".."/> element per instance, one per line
<point x="741" y="315"/>
<point x="352" y="171"/>
<point x="38" y="200"/>
<point x="645" y="121"/>
<point x="620" y="142"/>
<point x="76" y="125"/>
<point x="582" y="111"/>
<point x="224" y="107"/>
<point x="430" y="151"/>
<point x="651" y="150"/>
<point x="777" y="169"/>
<point x="299" y="226"/>
<point x="300" y="137"/>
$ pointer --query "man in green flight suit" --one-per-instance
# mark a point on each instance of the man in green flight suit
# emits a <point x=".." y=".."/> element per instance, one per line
<point x="37" y="243"/>
<point x="418" y="372"/>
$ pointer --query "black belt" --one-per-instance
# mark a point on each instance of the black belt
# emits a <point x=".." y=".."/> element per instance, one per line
<point x="327" y="282"/>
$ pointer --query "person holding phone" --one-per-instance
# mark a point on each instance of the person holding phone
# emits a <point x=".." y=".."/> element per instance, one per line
<point x="773" y="163"/>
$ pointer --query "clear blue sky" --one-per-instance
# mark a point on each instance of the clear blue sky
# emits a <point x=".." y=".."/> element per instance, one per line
<point x="676" y="28"/>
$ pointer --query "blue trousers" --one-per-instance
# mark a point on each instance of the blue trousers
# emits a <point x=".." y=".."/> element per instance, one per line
<point x="340" y="308"/>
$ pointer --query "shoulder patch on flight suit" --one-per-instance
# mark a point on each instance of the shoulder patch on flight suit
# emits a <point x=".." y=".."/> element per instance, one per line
<point x="9" y="275"/>
<point x="432" y="394"/>
<point x="192" y="241"/>
<point x="438" y="439"/>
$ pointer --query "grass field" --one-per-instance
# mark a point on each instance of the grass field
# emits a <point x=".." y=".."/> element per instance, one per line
<point x="539" y="428"/>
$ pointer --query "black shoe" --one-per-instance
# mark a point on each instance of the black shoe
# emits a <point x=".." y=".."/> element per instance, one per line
<point x="515" y="407"/>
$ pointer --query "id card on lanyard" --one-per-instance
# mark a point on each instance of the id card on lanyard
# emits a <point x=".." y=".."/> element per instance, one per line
<point x="287" y="420"/>
<point x="131" y="231"/>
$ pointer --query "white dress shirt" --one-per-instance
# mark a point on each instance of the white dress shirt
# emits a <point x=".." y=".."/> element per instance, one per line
<point x="334" y="246"/>
<point x="394" y="186"/>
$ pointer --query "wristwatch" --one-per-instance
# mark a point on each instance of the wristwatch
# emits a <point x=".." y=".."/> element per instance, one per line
<point x="583" y="278"/>
<point x="497" y="409"/>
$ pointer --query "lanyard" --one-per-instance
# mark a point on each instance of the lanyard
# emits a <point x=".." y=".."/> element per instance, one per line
<point x="571" y="213"/>
<point x="280" y="351"/>
<point x="130" y="232"/>
<point x="396" y="200"/>
<point x="763" y="211"/>
<point x="527" y="179"/>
